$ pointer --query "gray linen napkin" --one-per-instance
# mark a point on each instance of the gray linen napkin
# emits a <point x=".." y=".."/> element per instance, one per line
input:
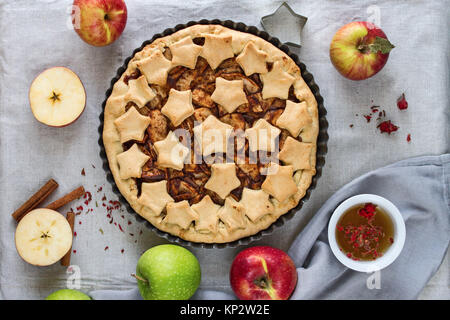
<point x="420" y="188"/>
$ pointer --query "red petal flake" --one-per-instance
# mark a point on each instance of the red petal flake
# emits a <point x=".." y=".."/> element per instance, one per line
<point x="387" y="126"/>
<point x="368" y="211"/>
<point x="368" y="117"/>
<point x="402" y="104"/>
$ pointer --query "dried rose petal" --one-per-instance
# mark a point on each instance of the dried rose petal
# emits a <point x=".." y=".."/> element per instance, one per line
<point x="387" y="126"/>
<point x="368" y="211"/>
<point x="402" y="104"/>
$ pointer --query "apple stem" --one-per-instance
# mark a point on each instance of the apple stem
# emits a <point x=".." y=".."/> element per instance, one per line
<point x="363" y="48"/>
<point x="139" y="278"/>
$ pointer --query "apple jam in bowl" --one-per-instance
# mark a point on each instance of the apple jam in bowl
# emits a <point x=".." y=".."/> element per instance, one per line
<point x="366" y="232"/>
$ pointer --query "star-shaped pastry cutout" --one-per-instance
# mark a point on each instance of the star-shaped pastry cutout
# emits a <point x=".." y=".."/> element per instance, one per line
<point x="223" y="179"/>
<point x="178" y="106"/>
<point x="262" y="136"/>
<point x="207" y="212"/>
<point x="116" y="105"/>
<point x="256" y="203"/>
<point x="279" y="182"/>
<point x="139" y="91"/>
<point x="131" y="162"/>
<point x="171" y="152"/>
<point x="276" y="83"/>
<point x="252" y="60"/>
<point x="155" y="68"/>
<point x="229" y="94"/>
<point x="296" y="154"/>
<point x="154" y="195"/>
<point x="294" y="118"/>
<point x="180" y="214"/>
<point x="216" y="49"/>
<point x="213" y="135"/>
<point x="232" y="214"/>
<point x="131" y="125"/>
<point x="185" y="53"/>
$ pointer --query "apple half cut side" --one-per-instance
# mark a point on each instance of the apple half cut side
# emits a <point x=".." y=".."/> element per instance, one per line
<point x="57" y="97"/>
<point x="43" y="237"/>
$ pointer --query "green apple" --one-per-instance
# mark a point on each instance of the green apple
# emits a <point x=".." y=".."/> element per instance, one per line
<point x="68" y="294"/>
<point x="168" y="272"/>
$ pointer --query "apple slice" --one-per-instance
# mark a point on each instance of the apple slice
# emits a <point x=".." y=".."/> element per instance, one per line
<point x="57" y="97"/>
<point x="43" y="237"/>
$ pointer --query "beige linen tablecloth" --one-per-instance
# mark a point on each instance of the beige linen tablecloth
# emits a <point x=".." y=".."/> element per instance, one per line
<point x="35" y="35"/>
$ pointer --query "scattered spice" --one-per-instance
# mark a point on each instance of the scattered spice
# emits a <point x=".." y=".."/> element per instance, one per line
<point x="88" y="197"/>
<point x="122" y="251"/>
<point x="402" y="104"/>
<point x="101" y="230"/>
<point x="374" y="109"/>
<point x="368" y="117"/>
<point x="408" y="137"/>
<point x="106" y="248"/>
<point x="387" y="126"/>
<point x="83" y="173"/>
<point x="74" y="251"/>
<point x="93" y="166"/>
<point x="351" y="126"/>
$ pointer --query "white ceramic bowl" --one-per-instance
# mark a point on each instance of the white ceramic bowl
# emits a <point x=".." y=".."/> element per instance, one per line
<point x="391" y="253"/>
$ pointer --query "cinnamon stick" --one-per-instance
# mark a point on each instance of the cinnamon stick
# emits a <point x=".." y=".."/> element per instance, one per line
<point x="71" y="196"/>
<point x="35" y="199"/>
<point x="65" y="261"/>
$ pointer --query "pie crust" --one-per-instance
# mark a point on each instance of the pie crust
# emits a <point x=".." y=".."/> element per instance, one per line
<point x="208" y="77"/>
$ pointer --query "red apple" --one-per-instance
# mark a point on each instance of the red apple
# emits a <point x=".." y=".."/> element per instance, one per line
<point x="263" y="273"/>
<point x="359" y="50"/>
<point x="99" y="22"/>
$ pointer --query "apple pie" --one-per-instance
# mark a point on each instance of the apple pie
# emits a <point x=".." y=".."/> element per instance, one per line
<point x="211" y="133"/>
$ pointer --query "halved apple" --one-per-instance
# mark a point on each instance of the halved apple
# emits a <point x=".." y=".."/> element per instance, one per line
<point x="43" y="237"/>
<point x="57" y="97"/>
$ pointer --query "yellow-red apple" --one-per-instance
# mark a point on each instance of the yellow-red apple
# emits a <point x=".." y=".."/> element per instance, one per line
<point x="263" y="273"/>
<point x="359" y="50"/>
<point x="99" y="22"/>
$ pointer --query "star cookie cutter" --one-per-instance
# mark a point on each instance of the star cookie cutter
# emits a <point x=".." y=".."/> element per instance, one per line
<point x="285" y="24"/>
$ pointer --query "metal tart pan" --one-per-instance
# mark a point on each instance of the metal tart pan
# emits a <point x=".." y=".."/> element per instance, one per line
<point x="321" y="140"/>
